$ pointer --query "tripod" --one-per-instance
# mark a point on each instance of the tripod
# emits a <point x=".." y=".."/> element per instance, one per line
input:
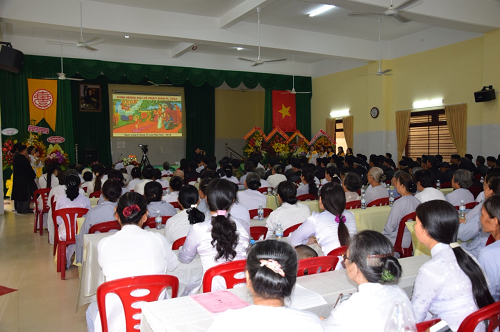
<point x="145" y="160"/>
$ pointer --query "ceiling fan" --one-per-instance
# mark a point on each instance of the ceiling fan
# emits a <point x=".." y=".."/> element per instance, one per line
<point x="259" y="61"/>
<point x="160" y="84"/>
<point x="392" y="11"/>
<point x="293" y="92"/>
<point x="81" y="43"/>
<point x="380" y="72"/>
<point x="62" y="76"/>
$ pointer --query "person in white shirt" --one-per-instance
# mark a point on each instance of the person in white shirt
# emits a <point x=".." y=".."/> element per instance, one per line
<point x="461" y="181"/>
<point x="451" y="285"/>
<point x="290" y="212"/>
<point x="49" y="179"/>
<point x="488" y="256"/>
<point x="277" y="176"/>
<point x="202" y="191"/>
<point x="251" y="198"/>
<point x="376" y="190"/>
<point x="180" y="224"/>
<point x="271" y="273"/>
<point x="229" y="175"/>
<point x="331" y="172"/>
<point x="166" y="169"/>
<point x="371" y="264"/>
<point x="333" y="227"/>
<point x="157" y="177"/>
<point x="147" y="174"/>
<point x="308" y="185"/>
<point x="218" y="239"/>
<point x="117" y="176"/>
<point x="153" y="194"/>
<point x="262" y="172"/>
<point x="135" y="173"/>
<point x="98" y="181"/>
<point x="176" y="184"/>
<point x="312" y="155"/>
<point x="425" y="187"/>
<point x="87" y="178"/>
<point x="351" y="184"/>
<point x="249" y="167"/>
<point x="132" y="251"/>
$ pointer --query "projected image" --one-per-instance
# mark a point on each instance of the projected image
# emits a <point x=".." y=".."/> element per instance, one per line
<point x="137" y="115"/>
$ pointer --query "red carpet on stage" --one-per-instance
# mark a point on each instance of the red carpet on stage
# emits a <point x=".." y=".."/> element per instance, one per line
<point x="6" y="290"/>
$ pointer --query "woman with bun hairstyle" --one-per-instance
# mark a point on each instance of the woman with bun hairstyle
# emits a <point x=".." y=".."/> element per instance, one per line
<point x="308" y="185"/>
<point x="72" y="199"/>
<point x="271" y="273"/>
<point x="406" y="187"/>
<point x="333" y="227"/>
<point x="351" y="184"/>
<point x="228" y="175"/>
<point x="153" y="192"/>
<point x="202" y="192"/>
<point x="371" y="264"/>
<point x="219" y="238"/>
<point x="132" y="251"/>
<point x="251" y="198"/>
<point x="376" y="189"/>
<point x="290" y="212"/>
<point x="179" y="224"/>
<point x="451" y="285"/>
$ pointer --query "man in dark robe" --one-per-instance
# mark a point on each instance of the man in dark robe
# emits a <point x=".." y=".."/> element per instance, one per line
<point x="23" y="181"/>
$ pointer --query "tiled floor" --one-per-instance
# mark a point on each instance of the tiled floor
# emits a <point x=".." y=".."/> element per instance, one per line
<point x="43" y="301"/>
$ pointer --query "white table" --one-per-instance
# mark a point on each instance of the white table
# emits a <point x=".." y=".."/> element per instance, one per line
<point x="184" y="314"/>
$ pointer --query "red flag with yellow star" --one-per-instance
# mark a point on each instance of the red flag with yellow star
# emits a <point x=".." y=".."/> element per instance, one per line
<point x="284" y="111"/>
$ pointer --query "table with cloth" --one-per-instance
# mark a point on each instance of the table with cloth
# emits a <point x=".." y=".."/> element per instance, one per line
<point x="185" y="314"/>
<point x="418" y="247"/>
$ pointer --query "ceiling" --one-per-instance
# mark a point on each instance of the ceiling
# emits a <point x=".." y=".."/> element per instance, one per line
<point x="164" y="32"/>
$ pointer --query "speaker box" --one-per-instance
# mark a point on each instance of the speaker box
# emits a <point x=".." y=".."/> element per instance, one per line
<point x="11" y="59"/>
<point x="482" y="96"/>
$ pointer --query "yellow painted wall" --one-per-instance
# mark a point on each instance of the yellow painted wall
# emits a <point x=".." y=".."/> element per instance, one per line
<point x="452" y="72"/>
<point x="236" y="113"/>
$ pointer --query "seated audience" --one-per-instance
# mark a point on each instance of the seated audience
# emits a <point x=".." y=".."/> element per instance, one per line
<point x="271" y="271"/>
<point x="425" y="187"/>
<point x="228" y="175"/>
<point x="49" y="179"/>
<point x="405" y="185"/>
<point x="158" y="178"/>
<point x="249" y="167"/>
<point x="277" y="176"/>
<point x="304" y="252"/>
<point x="376" y="189"/>
<point x="153" y="194"/>
<point x="451" y="285"/>
<point x="461" y="181"/>
<point x="239" y="211"/>
<point x="488" y="256"/>
<point x="202" y="191"/>
<point x="371" y="264"/>
<point x="352" y="183"/>
<point x="136" y="178"/>
<point x="111" y="192"/>
<point x="331" y="172"/>
<point x="166" y="169"/>
<point x="235" y="164"/>
<point x="147" y="174"/>
<point x="97" y="182"/>
<point x="87" y="178"/>
<point x="132" y="251"/>
<point x="180" y="224"/>
<point x="251" y="198"/>
<point x="218" y="239"/>
<point x="332" y="227"/>
<point x="117" y="176"/>
<point x="290" y="212"/>
<point x="308" y="184"/>
<point x="176" y="184"/>
<point x="261" y="172"/>
<point x="180" y="173"/>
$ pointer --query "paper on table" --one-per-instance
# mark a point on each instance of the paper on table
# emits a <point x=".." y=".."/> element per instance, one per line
<point x="217" y="302"/>
<point x="303" y="298"/>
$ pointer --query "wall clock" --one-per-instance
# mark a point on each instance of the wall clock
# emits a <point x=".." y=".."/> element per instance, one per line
<point x="374" y="112"/>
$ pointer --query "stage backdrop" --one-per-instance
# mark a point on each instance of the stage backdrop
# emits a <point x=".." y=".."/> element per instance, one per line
<point x="92" y="129"/>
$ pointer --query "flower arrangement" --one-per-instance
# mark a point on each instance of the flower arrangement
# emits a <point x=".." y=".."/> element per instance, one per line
<point x="321" y="138"/>
<point x="255" y="138"/>
<point x="34" y="139"/>
<point x="7" y="155"/>
<point x="130" y="160"/>
<point x="56" y="155"/>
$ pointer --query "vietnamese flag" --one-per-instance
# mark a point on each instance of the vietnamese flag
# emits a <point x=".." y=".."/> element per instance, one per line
<point x="284" y="115"/>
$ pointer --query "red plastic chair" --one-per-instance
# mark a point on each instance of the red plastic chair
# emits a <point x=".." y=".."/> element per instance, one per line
<point x="95" y="194"/>
<point x="422" y="327"/>
<point x="84" y="189"/>
<point x="257" y="231"/>
<point x="254" y="212"/>
<point x="446" y="185"/>
<point x="125" y="287"/>
<point x="44" y="194"/>
<point x="471" y="205"/>
<point x="491" y="313"/>
<point x="475" y="191"/>
<point x="69" y="218"/>
<point x="291" y="229"/>
<point x="353" y="205"/>
<point x="227" y="271"/>
<point x="307" y="197"/>
<point x="315" y="265"/>
<point x="105" y="227"/>
<point x="262" y="190"/>
<point x="178" y="243"/>
<point x="404" y="252"/>
<point x="151" y="222"/>
<point x="175" y="205"/>
<point x="491" y="239"/>
<point x="379" y="202"/>
<point x="338" y="251"/>
<point x="56" y="230"/>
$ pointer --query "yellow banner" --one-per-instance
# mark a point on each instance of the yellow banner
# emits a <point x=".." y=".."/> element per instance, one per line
<point x="43" y="101"/>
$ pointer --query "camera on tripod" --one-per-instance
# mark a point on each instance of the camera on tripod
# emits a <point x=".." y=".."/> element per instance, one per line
<point x="144" y="148"/>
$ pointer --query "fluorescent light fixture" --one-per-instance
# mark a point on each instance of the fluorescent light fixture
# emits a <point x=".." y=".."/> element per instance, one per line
<point x="239" y="48"/>
<point x="428" y="103"/>
<point x="339" y="113"/>
<point x="127" y="36"/>
<point x="320" y="10"/>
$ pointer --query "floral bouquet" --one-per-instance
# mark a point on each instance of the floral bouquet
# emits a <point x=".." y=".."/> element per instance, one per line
<point x="298" y="144"/>
<point x="276" y="142"/>
<point x="34" y="139"/>
<point x="254" y="138"/>
<point x="321" y="138"/>
<point x="56" y="155"/>
<point x="130" y="160"/>
<point x="7" y="156"/>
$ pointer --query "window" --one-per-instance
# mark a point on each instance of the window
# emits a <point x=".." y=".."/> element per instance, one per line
<point x="429" y="135"/>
